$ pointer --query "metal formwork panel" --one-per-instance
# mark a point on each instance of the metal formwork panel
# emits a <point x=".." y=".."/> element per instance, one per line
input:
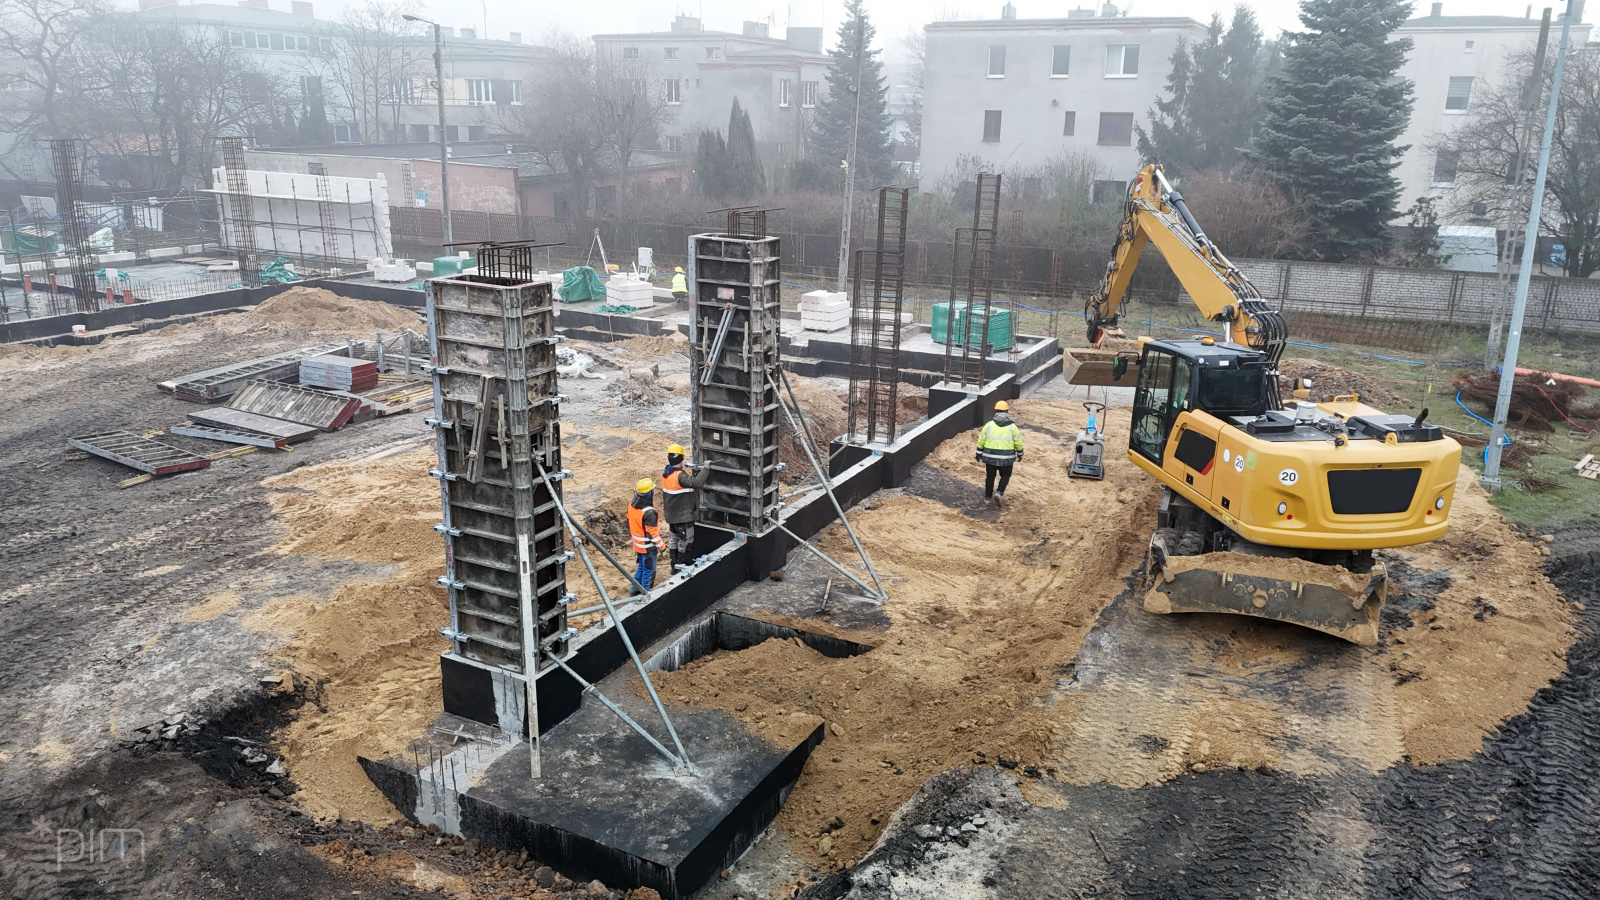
<point x="494" y="380"/>
<point x="736" y="294"/>
<point x="138" y="452"/>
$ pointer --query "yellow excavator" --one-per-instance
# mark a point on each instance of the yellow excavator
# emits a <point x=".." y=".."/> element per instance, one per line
<point x="1270" y="510"/>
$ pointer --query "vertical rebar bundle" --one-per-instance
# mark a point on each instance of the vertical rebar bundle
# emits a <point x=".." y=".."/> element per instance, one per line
<point x="242" y="206"/>
<point x="875" y="324"/>
<point x="972" y="287"/>
<point x="74" y="229"/>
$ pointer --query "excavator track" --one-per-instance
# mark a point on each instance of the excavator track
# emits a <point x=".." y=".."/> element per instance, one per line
<point x="1266" y="582"/>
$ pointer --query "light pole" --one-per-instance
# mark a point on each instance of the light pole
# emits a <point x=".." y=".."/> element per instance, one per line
<point x="444" y="142"/>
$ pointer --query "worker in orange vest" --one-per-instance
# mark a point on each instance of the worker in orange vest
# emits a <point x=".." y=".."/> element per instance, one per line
<point x="681" y="480"/>
<point x="645" y="528"/>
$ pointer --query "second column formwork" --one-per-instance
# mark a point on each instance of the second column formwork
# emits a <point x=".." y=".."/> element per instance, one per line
<point x="734" y="361"/>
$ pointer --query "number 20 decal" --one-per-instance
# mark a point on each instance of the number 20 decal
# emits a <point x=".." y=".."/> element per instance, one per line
<point x="1288" y="476"/>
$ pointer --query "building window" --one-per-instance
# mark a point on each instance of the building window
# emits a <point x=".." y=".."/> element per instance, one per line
<point x="630" y="52"/>
<point x="713" y="53"/>
<point x="674" y="91"/>
<point x="310" y="86"/>
<point x="1108" y="191"/>
<point x="785" y="91"/>
<point x="341" y="134"/>
<point x="453" y="133"/>
<point x="325" y="44"/>
<point x="1060" y="61"/>
<point x="401" y="90"/>
<point x="303" y="44"/>
<point x="997" y="61"/>
<point x="277" y="42"/>
<point x="991" y="126"/>
<point x="477" y="132"/>
<point x="808" y="94"/>
<point x="674" y="143"/>
<point x="514" y="93"/>
<point x="1116" y="129"/>
<point x="669" y="52"/>
<point x="1122" y="60"/>
<point x="236" y="38"/>
<point x="480" y="91"/>
<point x="263" y="42"/>
<point x="1460" y="94"/>
<point x="1070" y="126"/>
<point x="417" y="134"/>
<point x="1471" y="45"/>
<point x="1444" y="167"/>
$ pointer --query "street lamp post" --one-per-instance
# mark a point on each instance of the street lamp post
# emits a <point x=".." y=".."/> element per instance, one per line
<point x="444" y="142"/>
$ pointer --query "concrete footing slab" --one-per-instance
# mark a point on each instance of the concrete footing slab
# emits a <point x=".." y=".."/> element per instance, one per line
<point x="607" y="806"/>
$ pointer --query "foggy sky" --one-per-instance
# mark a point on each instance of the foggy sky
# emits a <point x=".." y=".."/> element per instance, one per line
<point x="891" y="17"/>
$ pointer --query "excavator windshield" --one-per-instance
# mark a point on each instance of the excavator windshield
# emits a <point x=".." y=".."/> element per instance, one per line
<point x="1232" y="391"/>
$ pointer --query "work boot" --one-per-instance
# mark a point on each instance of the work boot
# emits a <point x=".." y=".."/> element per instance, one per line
<point x="1000" y="498"/>
<point x="677" y="565"/>
<point x="988" y="500"/>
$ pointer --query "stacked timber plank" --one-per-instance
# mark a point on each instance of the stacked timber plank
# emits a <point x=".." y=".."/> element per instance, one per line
<point x="340" y="373"/>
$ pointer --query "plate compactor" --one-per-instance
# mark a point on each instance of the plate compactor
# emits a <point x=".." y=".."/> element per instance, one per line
<point x="1088" y="453"/>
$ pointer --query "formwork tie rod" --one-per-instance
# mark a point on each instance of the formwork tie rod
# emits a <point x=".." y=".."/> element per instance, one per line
<point x="682" y="756"/>
<point x="830" y="561"/>
<point x="717" y="343"/>
<point x="589" y="688"/>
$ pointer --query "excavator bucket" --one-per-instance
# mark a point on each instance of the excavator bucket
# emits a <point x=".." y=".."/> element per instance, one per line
<point x="1330" y="599"/>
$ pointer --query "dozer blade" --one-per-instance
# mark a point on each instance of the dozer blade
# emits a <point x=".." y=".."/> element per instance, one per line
<point x="1330" y="599"/>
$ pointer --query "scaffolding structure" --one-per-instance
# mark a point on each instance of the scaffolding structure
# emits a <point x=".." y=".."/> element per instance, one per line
<point x="64" y="159"/>
<point x="239" y="200"/>
<point x="972" y="288"/>
<point x="875" y="323"/>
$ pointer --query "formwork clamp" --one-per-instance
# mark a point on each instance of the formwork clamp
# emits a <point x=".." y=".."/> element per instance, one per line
<point x="565" y="634"/>
<point x="552" y="340"/>
<point x="442" y="475"/>
<point x="451" y="634"/>
<point x="436" y="370"/>
<point x="446" y="424"/>
<point x="454" y="584"/>
<point x="564" y="556"/>
<point x="447" y="530"/>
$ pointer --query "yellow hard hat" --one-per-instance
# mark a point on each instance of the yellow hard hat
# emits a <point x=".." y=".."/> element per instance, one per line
<point x="678" y="269"/>
<point x="1002" y="406"/>
<point x="675" y="449"/>
<point x="645" y="486"/>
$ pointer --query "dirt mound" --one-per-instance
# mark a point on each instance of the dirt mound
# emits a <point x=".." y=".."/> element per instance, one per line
<point x="650" y="347"/>
<point x="638" y="387"/>
<point x="1538" y="401"/>
<point x="321" y="310"/>
<point x="1328" y="381"/>
<point x="824" y="407"/>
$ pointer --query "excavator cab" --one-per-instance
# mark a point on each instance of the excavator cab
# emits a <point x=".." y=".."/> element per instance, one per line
<point x="1224" y="380"/>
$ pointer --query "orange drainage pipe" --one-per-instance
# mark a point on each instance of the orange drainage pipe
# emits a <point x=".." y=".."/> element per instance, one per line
<point x="1574" y="379"/>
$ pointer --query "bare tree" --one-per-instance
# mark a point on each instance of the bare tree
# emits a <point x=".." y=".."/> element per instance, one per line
<point x="914" y="43"/>
<point x="585" y="117"/>
<point x="1246" y="214"/>
<point x="1491" y="156"/>
<point x="172" y="92"/>
<point x="372" y="60"/>
<point x="44" y="43"/>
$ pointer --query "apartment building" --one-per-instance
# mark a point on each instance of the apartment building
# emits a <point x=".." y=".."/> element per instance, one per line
<point x="1015" y="93"/>
<point x="394" y="99"/>
<point x="1453" y="60"/>
<point x="700" y="73"/>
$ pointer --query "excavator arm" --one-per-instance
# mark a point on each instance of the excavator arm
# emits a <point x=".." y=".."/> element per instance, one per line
<point x="1156" y="213"/>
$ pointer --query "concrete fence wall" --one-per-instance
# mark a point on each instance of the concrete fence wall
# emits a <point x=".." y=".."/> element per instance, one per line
<point x="1423" y="295"/>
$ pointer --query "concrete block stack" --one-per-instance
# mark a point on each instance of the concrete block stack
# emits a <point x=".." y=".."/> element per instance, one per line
<point x="824" y="311"/>
<point x="624" y="291"/>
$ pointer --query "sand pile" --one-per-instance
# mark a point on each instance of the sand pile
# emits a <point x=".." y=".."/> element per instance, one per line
<point x="1328" y="381"/>
<point x="825" y="407"/>
<point x="320" y="310"/>
<point x="985" y="610"/>
<point x="652" y="347"/>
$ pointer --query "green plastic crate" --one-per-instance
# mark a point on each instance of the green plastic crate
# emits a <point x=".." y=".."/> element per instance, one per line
<point x="1001" y="326"/>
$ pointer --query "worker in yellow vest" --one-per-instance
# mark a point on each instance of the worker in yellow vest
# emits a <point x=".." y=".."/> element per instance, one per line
<point x="680" y="287"/>
<point x="645" y="528"/>
<point x="999" y="447"/>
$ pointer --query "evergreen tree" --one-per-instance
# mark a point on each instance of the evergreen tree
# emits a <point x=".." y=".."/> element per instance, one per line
<point x="831" y="127"/>
<point x="1214" y="105"/>
<point x="1421" y="248"/>
<point x="1332" y="116"/>
<point x="746" y="177"/>
<point x="711" y="164"/>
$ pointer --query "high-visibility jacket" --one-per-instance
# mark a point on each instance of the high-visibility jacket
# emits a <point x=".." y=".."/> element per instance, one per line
<point x="680" y="284"/>
<point x="644" y="527"/>
<point x="998" y="444"/>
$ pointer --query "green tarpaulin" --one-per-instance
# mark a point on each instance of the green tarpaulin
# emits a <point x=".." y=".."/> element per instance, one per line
<point x="581" y="283"/>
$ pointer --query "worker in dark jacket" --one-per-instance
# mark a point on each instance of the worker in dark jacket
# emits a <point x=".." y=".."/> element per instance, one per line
<point x="999" y="447"/>
<point x="680" y="484"/>
<point x="645" y="529"/>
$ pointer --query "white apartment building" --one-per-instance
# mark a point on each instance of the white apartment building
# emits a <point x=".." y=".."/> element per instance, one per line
<point x="479" y="75"/>
<point x="1016" y="93"/>
<point x="1453" y="60"/>
<point x="700" y="73"/>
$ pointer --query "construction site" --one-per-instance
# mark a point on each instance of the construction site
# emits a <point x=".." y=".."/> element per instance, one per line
<point x="328" y="585"/>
